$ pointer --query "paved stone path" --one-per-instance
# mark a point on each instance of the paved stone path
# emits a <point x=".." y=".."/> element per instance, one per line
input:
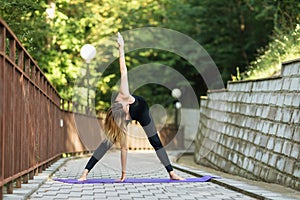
<point x="140" y="165"/>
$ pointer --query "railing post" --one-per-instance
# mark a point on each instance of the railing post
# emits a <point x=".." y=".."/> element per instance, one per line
<point x="25" y="178"/>
<point x="20" y="58"/>
<point x="12" y="49"/>
<point x="31" y="175"/>
<point x="10" y="187"/>
<point x="2" y="85"/>
<point x="18" y="182"/>
<point x="36" y="172"/>
<point x="69" y="106"/>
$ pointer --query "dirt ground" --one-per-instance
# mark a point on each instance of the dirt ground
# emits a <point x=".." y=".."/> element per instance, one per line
<point x="188" y="161"/>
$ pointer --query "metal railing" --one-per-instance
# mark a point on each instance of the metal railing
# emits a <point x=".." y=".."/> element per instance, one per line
<point x="30" y="133"/>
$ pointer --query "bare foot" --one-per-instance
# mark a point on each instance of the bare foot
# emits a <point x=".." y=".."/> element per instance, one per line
<point x="84" y="175"/>
<point x="119" y="180"/>
<point x="122" y="179"/>
<point x="174" y="176"/>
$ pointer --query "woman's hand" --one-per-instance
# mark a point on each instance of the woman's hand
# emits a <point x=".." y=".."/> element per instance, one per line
<point x="84" y="175"/>
<point x="120" y="40"/>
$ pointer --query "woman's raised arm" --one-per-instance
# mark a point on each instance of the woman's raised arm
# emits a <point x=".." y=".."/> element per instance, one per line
<point x="124" y="88"/>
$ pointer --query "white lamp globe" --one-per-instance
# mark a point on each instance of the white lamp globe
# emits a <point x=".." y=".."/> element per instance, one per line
<point x="176" y="93"/>
<point x="88" y="52"/>
<point x="177" y="105"/>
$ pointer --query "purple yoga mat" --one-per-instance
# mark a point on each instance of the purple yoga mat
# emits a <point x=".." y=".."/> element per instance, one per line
<point x="134" y="180"/>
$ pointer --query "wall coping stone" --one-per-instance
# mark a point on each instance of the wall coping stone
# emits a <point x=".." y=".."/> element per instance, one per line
<point x="284" y="64"/>
<point x="255" y="80"/>
<point x="290" y="61"/>
<point x="217" y="90"/>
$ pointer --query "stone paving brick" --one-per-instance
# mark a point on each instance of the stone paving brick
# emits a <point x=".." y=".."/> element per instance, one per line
<point x="100" y="196"/>
<point x="75" y="194"/>
<point x="64" y="191"/>
<point x="87" y="192"/>
<point x="136" y="194"/>
<point x="124" y="196"/>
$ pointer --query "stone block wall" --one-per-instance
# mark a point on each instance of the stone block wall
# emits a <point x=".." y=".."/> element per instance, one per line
<point x="252" y="128"/>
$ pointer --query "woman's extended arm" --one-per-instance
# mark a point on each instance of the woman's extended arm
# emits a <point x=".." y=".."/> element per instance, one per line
<point x="124" y="150"/>
<point x="124" y="88"/>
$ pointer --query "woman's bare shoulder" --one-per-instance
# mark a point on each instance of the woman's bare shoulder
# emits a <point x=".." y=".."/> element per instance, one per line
<point x="131" y="99"/>
<point x="126" y="98"/>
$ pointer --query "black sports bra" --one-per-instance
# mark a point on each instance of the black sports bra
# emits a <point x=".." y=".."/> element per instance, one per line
<point x="139" y="111"/>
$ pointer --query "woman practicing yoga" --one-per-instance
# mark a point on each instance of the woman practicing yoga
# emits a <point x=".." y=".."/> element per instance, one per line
<point x="127" y="107"/>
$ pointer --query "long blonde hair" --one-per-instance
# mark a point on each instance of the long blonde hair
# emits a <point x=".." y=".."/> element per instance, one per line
<point x="115" y="123"/>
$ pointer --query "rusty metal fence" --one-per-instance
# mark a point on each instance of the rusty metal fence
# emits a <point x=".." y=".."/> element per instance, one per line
<point x="36" y="125"/>
<point x="30" y="133"/>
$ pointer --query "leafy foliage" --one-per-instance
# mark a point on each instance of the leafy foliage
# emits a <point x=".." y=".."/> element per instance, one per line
<point x="233" y="32"/>
<point x="281" y="49"/>
<point x="284" y="45"/>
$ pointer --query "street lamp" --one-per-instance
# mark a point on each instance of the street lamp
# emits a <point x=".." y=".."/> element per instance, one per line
<point x="176" y="93"/>
<point x="88" y="52"/>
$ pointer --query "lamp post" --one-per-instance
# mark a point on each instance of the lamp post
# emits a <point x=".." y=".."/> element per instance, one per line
<point x="88" y="52"/>
<point x="176" y="93"/>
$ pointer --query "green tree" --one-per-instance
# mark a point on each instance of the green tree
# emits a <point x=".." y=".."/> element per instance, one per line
<point x="46" y="38"/>
<point x="27" y="19"/>
<point x="54" y="31"/>
<point x="284" y="44"/>
<point x="232" y="31"/>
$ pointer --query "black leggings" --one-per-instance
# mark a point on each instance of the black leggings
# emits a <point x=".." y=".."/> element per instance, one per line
<point x="153" y="138"/>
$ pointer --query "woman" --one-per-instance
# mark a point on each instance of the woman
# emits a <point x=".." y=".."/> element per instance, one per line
<point x="127" y="107"/>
